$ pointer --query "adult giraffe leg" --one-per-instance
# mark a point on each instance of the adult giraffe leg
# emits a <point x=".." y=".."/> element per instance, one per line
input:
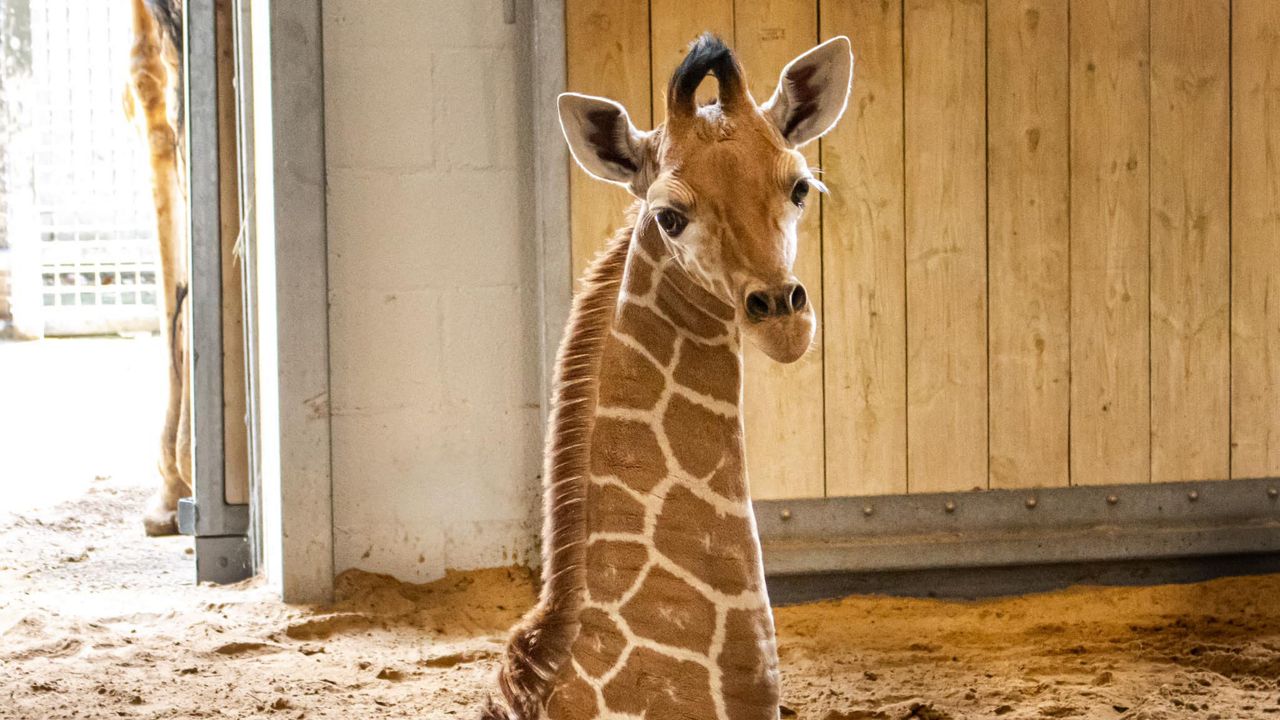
<point x="149" y="81"/>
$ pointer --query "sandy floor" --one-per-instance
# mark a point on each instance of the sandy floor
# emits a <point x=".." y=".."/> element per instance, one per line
<point x="97" y="621"/>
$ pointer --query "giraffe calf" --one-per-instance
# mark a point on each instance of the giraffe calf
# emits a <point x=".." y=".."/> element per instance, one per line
<point x="654" y="603"/>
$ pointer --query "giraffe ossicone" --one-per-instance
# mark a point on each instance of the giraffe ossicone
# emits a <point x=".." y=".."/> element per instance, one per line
<point x="653" y="602"/>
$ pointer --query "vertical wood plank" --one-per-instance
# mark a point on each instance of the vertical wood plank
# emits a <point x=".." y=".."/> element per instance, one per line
<point x="783" y="403"/>
<point x="1027" y="174"/>
<point x="607" y="50"/>
<point x="1255" y="239"/>
<point x="1190" y="250"/>
<point x="945" y="95"/>
<point x="1110" y="391"/>
<point x="864" y="336"/>
<point x="676" y="23"/>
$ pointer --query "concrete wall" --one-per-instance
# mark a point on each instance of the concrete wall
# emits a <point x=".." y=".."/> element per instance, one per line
<point x="434" y="359"/>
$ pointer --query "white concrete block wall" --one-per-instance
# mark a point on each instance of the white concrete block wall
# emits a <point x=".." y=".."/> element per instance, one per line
<point x="434" y="356"/>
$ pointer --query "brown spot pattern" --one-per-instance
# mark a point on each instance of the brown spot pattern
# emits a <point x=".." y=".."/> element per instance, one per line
<point x="639" y="276"/>
<point x="613" y="510"/>
<point x="656" y="335"/>
<point x="629" y="450"/>
<point x="684" y="313"/>
<point x="629" y="380"/>
<point x="656" y="686"/>
<point x="599" y="643"/>
<point x="708" y="369"/>
<point x="729" y="481"/>
<point x="699" y="438"/>
<point x="612" y="568"/>
<point x="651" y="241"/>
<point x="572" y="699"/>
<point x="718" y="549"/>
<point x="749" y="666"/>
<point x="669" y="611"/>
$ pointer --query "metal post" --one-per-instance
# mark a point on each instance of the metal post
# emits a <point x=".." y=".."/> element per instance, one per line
<point x="223" y="553"/>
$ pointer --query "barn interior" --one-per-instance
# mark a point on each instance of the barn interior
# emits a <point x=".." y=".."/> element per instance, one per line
<point x="1030" y="467"/>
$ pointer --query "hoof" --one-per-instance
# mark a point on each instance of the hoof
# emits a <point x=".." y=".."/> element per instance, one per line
<point x="161" y="525"/>
<point x="159" y="520"/>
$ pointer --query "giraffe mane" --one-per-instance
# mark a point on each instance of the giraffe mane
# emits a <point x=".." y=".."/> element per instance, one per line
<point x="540" y="644"/>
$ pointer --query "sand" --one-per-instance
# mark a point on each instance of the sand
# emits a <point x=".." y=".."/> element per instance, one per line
<point x="97" y="621"/>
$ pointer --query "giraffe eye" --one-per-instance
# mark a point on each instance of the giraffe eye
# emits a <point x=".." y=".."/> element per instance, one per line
<point x="671" y="222"/>
<point x="800" y="192"/>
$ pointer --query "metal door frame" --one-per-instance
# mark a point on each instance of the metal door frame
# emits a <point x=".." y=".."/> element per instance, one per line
<point x="224" y="552"/>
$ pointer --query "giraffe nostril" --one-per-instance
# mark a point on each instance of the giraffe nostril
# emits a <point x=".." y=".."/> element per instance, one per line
<point x="798" y="298"/>
<point x="757" y="305"/>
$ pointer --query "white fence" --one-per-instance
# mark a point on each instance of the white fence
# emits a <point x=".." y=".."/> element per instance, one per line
<point x="80" y="219"/>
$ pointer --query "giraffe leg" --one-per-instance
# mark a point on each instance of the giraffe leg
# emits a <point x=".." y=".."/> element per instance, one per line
<point x="149" y="82"/>
<point x="175" y="445"/>
<point x="182" y="440"/>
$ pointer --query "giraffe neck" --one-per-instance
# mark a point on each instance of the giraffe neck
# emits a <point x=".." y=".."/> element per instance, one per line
<point x="653" y="602"/>
<point x="674" y="587"/>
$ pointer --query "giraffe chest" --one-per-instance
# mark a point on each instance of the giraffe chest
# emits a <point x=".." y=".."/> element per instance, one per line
<point x="676" y="627"/>
<point x="675" y="623"/>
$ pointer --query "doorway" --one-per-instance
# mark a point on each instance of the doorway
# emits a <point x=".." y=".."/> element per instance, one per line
<point x="83" y="356"/>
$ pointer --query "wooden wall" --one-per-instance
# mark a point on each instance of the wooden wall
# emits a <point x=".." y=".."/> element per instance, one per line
<point x="1051" y="254"/>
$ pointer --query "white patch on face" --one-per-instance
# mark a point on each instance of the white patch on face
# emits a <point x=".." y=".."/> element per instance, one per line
<point x="694" y="249"/>
<point x="791" y="165"/>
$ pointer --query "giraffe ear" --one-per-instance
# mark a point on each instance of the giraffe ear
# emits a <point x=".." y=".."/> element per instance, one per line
<point x="812" y="92"/>
<point x="603" y="140"/>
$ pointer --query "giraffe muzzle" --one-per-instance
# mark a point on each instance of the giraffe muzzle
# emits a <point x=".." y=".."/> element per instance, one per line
<point x="782" y="301"/>
<point x="780" y="321"/>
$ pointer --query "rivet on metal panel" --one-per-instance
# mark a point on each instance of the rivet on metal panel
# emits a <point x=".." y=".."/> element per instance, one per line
<point x="1273" y="493"/>
<point x="785" y="514"/>
<point x="1113" y="499"/>
<point x="1193" y="496"/>
<point x="1031" y="503"/>
<point x="867" y="510"/>
<point x="950" y="506"/>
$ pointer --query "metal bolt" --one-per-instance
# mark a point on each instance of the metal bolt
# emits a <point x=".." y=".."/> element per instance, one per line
<point x="786" y="513"/>
<point x="1031" y="503"/>
<point x="1113" y="499"/>
<point x="1193" y="495"/>
<point x="867" y="510"/>
<point x="1273" y="493"/>
<point x="222" y="562"/>
<point x="950" y="506"/>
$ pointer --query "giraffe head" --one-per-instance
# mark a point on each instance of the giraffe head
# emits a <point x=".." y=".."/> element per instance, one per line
<point x="725" y="182"/>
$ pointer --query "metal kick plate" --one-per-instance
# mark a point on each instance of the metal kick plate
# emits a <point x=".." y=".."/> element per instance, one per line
<point x="1012" y="527"/>
<point x="223" y="560"/>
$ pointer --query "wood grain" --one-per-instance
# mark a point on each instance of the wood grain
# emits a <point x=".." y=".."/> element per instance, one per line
<point x="1255" y="239"/>
<point x="783" y="403"/>
<point x="864" y="337"/>
<point x="235" y="432"/>
<point x="1028" y="236"/>
<point x="945" y="168"/>
<point x="676" y="23"/>
<point x="1190" y="240"/>
<point x="1110" y="391"/>
<point x="607" y="47"/>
